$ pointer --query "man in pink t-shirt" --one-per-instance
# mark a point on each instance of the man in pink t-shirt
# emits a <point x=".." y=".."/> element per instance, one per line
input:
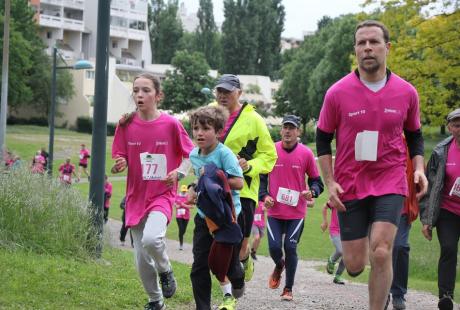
<point x="368" y="110"/>
<point x="286" y="201"/>
<point x="83" y="156"/>
<point x="66" y="170"/>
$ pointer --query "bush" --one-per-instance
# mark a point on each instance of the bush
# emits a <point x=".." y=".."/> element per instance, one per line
<point x="85" y="124"/>
<point x="39" y="121"/>
<point x="39" y="214"/>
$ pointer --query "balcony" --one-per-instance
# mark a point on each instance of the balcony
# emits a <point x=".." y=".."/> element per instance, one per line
<point x="76" y="4"/>
<point x="61" y="23"/>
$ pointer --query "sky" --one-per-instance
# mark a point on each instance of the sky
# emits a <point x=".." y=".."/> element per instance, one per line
<point x="301" y="15"/>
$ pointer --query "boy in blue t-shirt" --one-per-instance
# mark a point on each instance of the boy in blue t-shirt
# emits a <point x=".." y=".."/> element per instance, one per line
<point x="207" y="124"/>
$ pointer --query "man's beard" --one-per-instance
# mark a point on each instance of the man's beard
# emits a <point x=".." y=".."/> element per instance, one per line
<point x="372" y="68"/>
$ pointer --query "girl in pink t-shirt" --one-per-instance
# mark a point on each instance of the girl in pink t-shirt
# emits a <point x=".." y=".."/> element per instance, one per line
<point x="182" y="213"/>
<point x="334" y="232"/>
<point x="258" y="228"/>
<point x="152" y="145"/>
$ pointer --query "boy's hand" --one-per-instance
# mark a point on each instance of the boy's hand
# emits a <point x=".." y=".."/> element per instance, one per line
<point x="120" y="164"/>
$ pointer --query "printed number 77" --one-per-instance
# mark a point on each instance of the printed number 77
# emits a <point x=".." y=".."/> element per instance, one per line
<point x="152" y="166"/>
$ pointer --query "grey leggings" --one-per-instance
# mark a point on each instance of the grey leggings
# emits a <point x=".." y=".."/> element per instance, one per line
<point x="150" y="252"/>
<point x="337" y="254"/>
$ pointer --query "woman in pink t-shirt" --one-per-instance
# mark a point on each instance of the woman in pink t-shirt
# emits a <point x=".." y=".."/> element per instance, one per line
<point x="182" y="213"/>
<point x="440" y="208"/>
<point x="334" y="232"/>
<point x="152" y="145"/>
<point x="83" y="156"/>
<point x="38" y="163"/>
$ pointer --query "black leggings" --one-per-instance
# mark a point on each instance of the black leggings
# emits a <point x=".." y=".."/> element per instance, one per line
<point x="448" y="229"/>
<point x="182" y="224"/>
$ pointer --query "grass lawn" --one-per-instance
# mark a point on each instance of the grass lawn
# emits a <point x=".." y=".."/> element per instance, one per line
<point x="31" y="281"/>
<point x="314" y="244"/>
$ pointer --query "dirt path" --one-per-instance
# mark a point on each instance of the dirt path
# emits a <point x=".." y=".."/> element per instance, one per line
<point x="313" y="289"/>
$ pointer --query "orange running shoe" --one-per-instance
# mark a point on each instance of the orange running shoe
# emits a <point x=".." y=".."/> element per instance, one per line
<point x="287" y="294"/>
<point x="275" y="277"/>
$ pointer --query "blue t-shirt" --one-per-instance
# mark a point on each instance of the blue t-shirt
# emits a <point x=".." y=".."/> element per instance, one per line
<point x="225" y="160"/>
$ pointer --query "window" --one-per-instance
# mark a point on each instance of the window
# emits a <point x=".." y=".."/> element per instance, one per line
<point x="114" y="44"/>
<point x="49" y="34"/>
<point x="90" y="74"/>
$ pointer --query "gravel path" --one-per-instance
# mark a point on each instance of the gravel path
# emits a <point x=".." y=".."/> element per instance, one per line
<point x="313" y="289"/>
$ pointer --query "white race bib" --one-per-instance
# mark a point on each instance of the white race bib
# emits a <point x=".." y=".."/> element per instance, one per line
<point x="82" y="156"/>
<point x="288" y="196"/>
<point x="366" y="145"/>
<point x="180" y="211"/>
<point x="455" y="191"/>
<point x="66" y="177"/>
<point x="153" y="166"/>
<point x="258" y="217"/>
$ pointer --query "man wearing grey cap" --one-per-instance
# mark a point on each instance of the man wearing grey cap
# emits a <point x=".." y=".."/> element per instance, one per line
<point x="440" y="208"/>
<point x="286" y="198"/>
<point x="247" y="135"/>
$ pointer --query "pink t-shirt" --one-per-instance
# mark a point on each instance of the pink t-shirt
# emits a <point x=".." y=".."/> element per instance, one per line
<point x="451" y="203"/>
<point x="165" y="139"/>
<point x="107" y="192"/>
<point x="181" y="211"/>
<point x="231" y="119"/>
<point x="349" y="108"/>
<point x="66" y="172"/>
<point x="38" y="165"/>
<point x="334" y="227"/>
<point x="289" y="173"/>
<point x="84" y="155"/>
<point x="259" y="215"/>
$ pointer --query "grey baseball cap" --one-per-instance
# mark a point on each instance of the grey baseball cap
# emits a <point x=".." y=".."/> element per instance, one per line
<point x="291" y="119"/>
<point x="229" y="82"/>
<point x="453" y="115"/>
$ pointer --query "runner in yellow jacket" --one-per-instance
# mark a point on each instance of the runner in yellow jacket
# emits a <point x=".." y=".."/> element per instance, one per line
<point x="247" y="135"/>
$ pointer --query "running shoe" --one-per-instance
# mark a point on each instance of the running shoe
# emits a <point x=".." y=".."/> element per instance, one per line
<point x="168" y="283"/>
<point x="338" y="279"/>
<point x="398" y="303"/>
<point x="155" y="305"/>
<point x="229" y="303"/>
<point x="330" y="266"/>
<point x="275" y="277"/>
<point x="446" y="303"/>
<point x="248" y="267"/>
<point x="287" y="294"/>
<point x="253" y="254"/>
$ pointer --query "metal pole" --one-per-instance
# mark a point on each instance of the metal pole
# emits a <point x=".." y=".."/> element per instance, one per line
<point x="52" y="113"/>
<point x="4" y="101"/>
<point x="96" y="190"/>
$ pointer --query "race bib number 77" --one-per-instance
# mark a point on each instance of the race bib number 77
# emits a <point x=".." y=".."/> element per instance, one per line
<point x="153" y="166"/>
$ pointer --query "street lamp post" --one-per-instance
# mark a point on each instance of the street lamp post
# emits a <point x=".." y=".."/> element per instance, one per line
<point x="79" y="65"/>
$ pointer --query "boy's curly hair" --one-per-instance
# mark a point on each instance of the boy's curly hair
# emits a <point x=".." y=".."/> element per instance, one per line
<point x="214" y="116"/>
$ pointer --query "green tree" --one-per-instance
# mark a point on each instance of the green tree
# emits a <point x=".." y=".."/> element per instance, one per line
<point x="207" y="36"/>
<point x="251" y="36"/>
<point x="165" y="30"/>
<point x="182" y="86"/>
<point x="29" y="78"/>
<point x="322" y="59"/>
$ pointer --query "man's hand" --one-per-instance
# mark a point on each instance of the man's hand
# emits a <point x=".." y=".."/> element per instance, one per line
<point x="334" y="191"/>
<point x="268" y="202"/>
<point x="422" y="182"/>
<point x="427" y="232"/>
<point x="243" y="163"/>
<point x="307" y="194"/>
<point x="323" y="226"/>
